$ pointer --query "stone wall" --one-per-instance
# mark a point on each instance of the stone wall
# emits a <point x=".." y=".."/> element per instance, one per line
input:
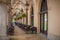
<point x="3" y="19"/>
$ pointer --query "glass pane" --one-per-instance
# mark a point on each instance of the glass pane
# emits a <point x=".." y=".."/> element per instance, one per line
<point x="41" y="21"/>
<point x="45" y="22"/>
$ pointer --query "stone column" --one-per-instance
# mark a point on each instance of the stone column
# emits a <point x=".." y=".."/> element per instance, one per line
<point x="36" y="7"/>
<point x="29" y="15"/>
<point x="3" y="20"/>
<point x="53" y="19"/>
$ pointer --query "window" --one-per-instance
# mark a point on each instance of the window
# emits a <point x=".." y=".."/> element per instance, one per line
<point x="44" y="17"/>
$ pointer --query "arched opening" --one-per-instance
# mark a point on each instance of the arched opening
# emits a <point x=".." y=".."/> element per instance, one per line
<point x="32" y="17"/>
<point x="44" y="17"/>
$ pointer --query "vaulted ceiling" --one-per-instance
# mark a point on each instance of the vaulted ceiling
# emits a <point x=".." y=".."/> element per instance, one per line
<point x="10" y="3"/>
<point x="5" y="2"/>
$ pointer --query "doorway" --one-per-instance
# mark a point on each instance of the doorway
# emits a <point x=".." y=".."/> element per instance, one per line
<point x="44" y="17"/>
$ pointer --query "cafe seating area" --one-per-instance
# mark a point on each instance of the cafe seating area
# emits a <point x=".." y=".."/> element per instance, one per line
<point x="27" y="28"/>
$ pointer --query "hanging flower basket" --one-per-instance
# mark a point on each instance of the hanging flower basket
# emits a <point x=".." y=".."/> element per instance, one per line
<point x="20" y="17"/>
<point x="23" y="14"/>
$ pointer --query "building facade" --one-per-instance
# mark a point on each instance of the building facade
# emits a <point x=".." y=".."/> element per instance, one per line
<point x="43" y="14"/>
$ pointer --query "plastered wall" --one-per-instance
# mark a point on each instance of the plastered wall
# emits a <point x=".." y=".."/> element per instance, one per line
<point x="54" y="19"/>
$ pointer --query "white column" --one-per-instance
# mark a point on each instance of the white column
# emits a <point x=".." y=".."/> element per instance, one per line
<point x="53" y="19"/>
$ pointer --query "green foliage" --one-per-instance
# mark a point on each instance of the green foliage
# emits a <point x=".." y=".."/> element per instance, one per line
<point x="15" y="19"/>
<point x="20" y="17"/>
<point x="23" y="14"/>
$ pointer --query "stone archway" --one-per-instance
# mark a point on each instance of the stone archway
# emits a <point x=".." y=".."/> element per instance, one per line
<point x="30" y="15"/>
<point x="36" y="6"/>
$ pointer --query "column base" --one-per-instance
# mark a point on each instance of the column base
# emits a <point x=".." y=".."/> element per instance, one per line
<point x="53" y="37"/>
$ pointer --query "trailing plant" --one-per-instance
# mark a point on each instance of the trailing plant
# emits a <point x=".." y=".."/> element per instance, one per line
<point x="23" y="14"/>
<point x="20" y="17"/>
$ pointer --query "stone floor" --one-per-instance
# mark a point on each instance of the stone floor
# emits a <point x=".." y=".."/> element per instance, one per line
<point x="27" y="37"/>
<point x="21" y="35"/>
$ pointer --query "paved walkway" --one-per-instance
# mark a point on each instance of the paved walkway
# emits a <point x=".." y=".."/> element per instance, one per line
<point x="21" y="35"/>
<point x="18" y="31"/>
<point x="27" y="37"/>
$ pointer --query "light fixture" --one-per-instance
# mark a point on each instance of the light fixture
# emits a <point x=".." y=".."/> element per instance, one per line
<point x="27" y="5"/>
